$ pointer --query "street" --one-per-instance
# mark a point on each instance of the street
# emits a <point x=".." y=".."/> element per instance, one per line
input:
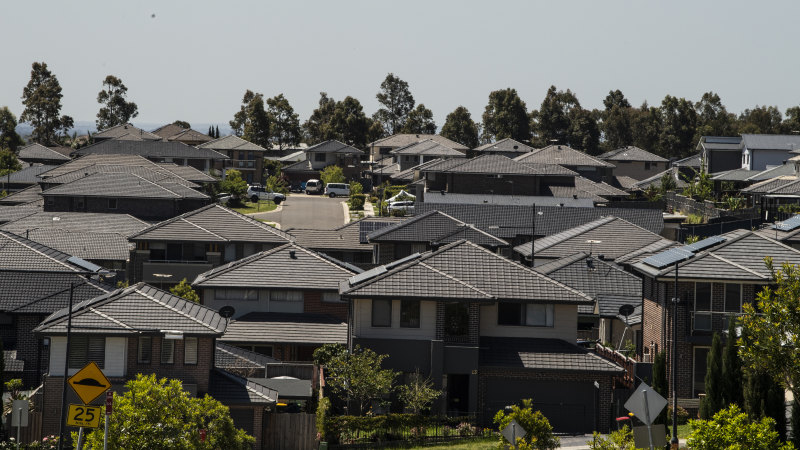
<point x="307" y="211"/>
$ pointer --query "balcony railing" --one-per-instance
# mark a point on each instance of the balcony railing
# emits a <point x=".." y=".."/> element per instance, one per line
<point x="704" y="321"/>
<point x="240" y="164"/>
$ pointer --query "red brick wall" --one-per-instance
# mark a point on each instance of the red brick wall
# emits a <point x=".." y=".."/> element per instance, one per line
<point x="312" y="303"/>
<point x="188" y="373"/>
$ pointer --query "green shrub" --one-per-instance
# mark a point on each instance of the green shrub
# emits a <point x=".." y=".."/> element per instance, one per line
<point x="356" y="188"/>
<point x="694" y="219"/>
<point x="616" y="440"/>
<point x="540" y="433"/>
<point x="683" y="415"/>
<point x="731" y="429"/>
<point x="323" y="408"/>
<point x="356" y="201"/>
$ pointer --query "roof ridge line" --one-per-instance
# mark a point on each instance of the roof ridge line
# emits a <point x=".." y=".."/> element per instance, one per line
<point x="141" y="292"/>
<point x="260" y="224"/>
<point x="201" y="228"/>
<point x="107" y="317"/>
<point x="464" y="283"/>
<point x="24" y="244"/>
<point x="725" y="260"/>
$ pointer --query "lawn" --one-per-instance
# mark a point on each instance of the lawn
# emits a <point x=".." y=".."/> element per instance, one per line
<point x="479" y="444"/>
<point x="261" y="206"/>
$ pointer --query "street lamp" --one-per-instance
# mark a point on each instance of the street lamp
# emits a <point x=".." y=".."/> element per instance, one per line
<point x="674" y="443"/>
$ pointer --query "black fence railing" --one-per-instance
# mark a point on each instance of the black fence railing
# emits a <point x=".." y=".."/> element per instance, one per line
<point x="702" y="231"/>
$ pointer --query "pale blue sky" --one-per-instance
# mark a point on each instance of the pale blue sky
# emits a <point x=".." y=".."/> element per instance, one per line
<point x="195" y="59"/>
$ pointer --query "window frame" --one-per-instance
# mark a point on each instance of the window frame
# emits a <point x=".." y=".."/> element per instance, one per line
<point x="186" y="360"/>
<point x="741" y="295"/>
<point x="171" y="359"/>
<point x="141" y="346"/>
<point x="410" y="322"/>
<point x="82" y="346"/>
<point x="115" y="203"/>
<point x="388" y="319"/>
<point x="704" y="312"/>
<point x="694" y="368"/>
<point x="550" y="313"/>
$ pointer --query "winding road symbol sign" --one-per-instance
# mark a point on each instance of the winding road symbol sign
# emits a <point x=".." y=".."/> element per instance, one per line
<point x="89" y="383"/>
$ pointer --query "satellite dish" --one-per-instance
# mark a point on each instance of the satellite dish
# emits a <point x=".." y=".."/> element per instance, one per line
<point x="625" y="310"/>
<point x="228" y="311"/>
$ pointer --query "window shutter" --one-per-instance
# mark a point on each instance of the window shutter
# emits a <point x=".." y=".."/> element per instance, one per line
<point x="96" y="350"/>
<point x="78" y="349"/>
<point x="167" y="351"/>
<point x="190" y="350"/>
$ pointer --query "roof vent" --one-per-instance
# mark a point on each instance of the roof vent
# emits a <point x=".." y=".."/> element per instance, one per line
<point x="516" y="147"/>
<point x="574" y="196"/>
<point x="292" y="254"/>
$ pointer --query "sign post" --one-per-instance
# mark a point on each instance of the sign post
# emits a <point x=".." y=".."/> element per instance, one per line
<point x="19" y="415"/>
<point x="89" y="383"/>
<point x="512" y="430"/>
<point x="109" y="408"/>
<point x="646" y="404"/>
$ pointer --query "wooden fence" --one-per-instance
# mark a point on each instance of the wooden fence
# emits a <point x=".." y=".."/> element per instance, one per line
<point x="289" y="431"/>
<point x="33" y="432"/>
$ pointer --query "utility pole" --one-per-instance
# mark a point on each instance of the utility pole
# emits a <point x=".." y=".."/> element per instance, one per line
<point x="66" y="370"/>
<point x="674" y="443"/>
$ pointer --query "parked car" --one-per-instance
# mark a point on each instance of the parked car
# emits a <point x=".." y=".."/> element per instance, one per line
<point x="333" y="190"/>
<point x="256" y="193"/>
<point x="223" y="198"/>
<point x="406" y="206"/>
<point x="313" y="187"/>
<point x="298" y="187"/>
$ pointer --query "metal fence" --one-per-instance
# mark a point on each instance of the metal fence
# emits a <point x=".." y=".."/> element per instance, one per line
<point x="713" y="229"/>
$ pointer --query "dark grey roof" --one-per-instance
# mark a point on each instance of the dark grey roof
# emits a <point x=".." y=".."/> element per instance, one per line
<point x="83" y="165"/>
<point x="212" y="223"/>
<point x="168" y="130"/>
<point x="787" y="142"/>
<point x="44" y="292"/>
<point x="77" y="221"/>
<point x="734" y="175"/>
<point x="695" y="161"/>
<point x="519" y="200"/>
<point x="624" y="181"/>
<point x="232" y="143"/>
<point x="119" y="184"/>
<point x="230" y="389"/>
<point x="18" y="253"/>
<point x="612" y="237"/>
<point x="34" y="152"/>
<point x="401" y="140"/>
<point x="430" y="148"/>
<point x="631" y="153"/>
<point x="11" y="363"/>
<point x="740" y="257"/>
<point x="86" y="245"/>
<point x="774" y="185"/>
<point x="460" y="271"/>
<point x="27" y="195"/>
<point x="602" y="188"/>
<point x="286" y="388"/>
<point x="190" y="136"/>
<point x="334" y="146"/>
<point x="655" y="180"/>
<point x="303" y="166"/>
<point x="125" y="131"/>
<point x="279" y="268"/>
<point x="541" y="354"/>
<point x="347" y="237"/>
<point x="136" y="309"/>
<point x="12" y="213"/>
<point x="507" y="221"/>
<point x="153" y="173"/>
<point x="434" y="227"/>
<point x="28" y="175"/>
<point x="721" y="142"/>
<point x="300" y="328"/>
<point x="562" y="155"/>
<point x="506" y="145"/>
<point x="574" y="192"/>
<point x="188" y="173"/>
<point x="777" y="171"/>
<point x="232" y="358"/>
<point x="494" y="164"/>
<point x="150" y="149"/>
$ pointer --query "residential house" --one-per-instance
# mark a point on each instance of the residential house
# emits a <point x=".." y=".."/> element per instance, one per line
<point x="611" y="287"/>
<point x="202" y="159"/>
<point x="383" y="147"/>
<point x="28" y="197"/>
<point x="773" y="195"/>
<point x="634" y="162"/>
<point x="322" y="155"/>
<point x="36" y="281"/>
<point x="720" y="153"/>
<point x="505" y="147"/>
<point x="585" y="165"/>
<point x="278" y="313"/>
<point x="715" y="277"/>
<point x="244" y="156"/>
<point x="420" y="152"/>
<point x="126" y="132"/>
<point x="195" y="242"/>
<point x="762" y="151"/>
<point x="39" y="154"/>
<point x="22" y="179"/>
<point x="487" y="331"/>
<point x="786" y="231"/>
<point x="188" y="136"/>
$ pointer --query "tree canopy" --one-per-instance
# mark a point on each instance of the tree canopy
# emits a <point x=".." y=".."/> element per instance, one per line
<point x="357" y="375"/>
<point x="459" y="127"/>
<point x="9" y="139"/>
<point x="505" y="116"/>
<point x="252" y="122"/>
<point x="396" y="104"/>
<point x="116" y="110"/>
<point x="420" y="121"/>
<point x="42" y="100"/>
<point x="284" y="122"/>
<point x="8" y="162"/>
<point x="184" y="290"/>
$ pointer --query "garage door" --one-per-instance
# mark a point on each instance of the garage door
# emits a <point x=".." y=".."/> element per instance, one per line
<point x="569" y="406"/>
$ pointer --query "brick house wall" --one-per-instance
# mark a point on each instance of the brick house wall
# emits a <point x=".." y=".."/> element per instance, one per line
<point x="474" y="325"/>
<point x="188" y="373"/>
<point x="28" y="347"/>
<point x="312" y="303"/>
<point x="142" y="208"/>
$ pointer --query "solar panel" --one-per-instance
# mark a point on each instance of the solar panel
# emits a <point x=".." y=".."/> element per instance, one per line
<point x="669" y="257"/>
<point x="705" y="243"/>
<point x="788" y="224"/>
<point x="366" y="275"/>
<point x="83" y="264"/>
<point x="366" y="227"/>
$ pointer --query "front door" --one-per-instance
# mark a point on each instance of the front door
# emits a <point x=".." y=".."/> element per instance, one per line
<point x="457" y="394"/>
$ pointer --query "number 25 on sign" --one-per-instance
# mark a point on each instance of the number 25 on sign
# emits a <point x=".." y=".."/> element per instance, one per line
<point x="84" y="416"/>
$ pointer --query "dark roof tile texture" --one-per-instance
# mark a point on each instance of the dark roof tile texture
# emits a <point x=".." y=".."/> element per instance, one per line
<point x="286" y="328"/>
<point x="541" y="354"/>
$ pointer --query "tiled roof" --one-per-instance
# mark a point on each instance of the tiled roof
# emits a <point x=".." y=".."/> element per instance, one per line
<point x="611" y="237"/>
<point x="401" y="140"/>
<point x="232" y="143"/>
<point x="28" y="175"/>
<point x="507" y="221"/>
<point x="12" y="213"/>
<point x="772" y="185"/>
<point x="18" y="253"/>
<point x="86" y="245"/>
<point x="188" y="173"/>
<point x="602" y="188"/>
<point x="137" y="309"/>
<point x="152" y="173"/>
<point x="572" y="192"/>
<point x="346" y="237"/>
<point x="123" y="224"/>
<point x="777" y="171"/>
<point x="11" y="363"/>
<point x="140" y="165"/>
<point x="461" y="270"/>
<point x="428" y="147"/>
<point x="190" y="135"/>
<point x="734" y="175"/>
<point x="168" y="130"/>
<point x="625" y="182"/>
<point x="631" y="153"/>
<point x="279" y="268"/>
<point x="787" y="142"/>
<point x="655" y="180"/>
<point x="27" y="195"/>
<point x="231" y="358"/>
<point x="562" y="155"/>
<point x="695" y="161"/>
<point x="506" y="145"/>
<point x="125" y="131"/>
<point x="213" y="223"/>
<point x="263" y="327"/>
<point x="333" y="146"/>
<point x="150" y="149"/>
<point x="120" y="184"/>
<point x="300" y="166"/>
<point x="721" y="142"/>
<point x="494" y="164"/>
<point x="519" y="200"/>
<point x="286" y="388"/>
<point x="45" y="292"/>
<point x="434" y="227"/>
<point x="230" y="389"/>
<point x="40" y="152"/>
<point x="541" y="354"/>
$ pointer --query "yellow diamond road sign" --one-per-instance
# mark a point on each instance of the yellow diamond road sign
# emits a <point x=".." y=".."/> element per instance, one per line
<point x="84" y="416"/>
<point x="89" y="383"/>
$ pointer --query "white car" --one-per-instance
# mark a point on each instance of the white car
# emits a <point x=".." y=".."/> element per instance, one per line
<point x="337" y="189"/>
<point x="407" y="206"/>
<point x="313" y="187"/>
<point x="256" y="193"/>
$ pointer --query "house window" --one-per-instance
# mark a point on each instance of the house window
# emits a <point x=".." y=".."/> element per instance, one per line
<point x="409" y="314"/>
<point x="236" y="294"/>
<point x="319" y="157"/>
<point x="456" y="319"/>
<point x="331" y="297"/>
<point x="49" y="201"/>
<point x="700" y="364"/>
<point x="84" y="349"/>
<point x="733" y="298"/>
<point x="190" y="350"/>
<point x="646" y="166"/>
<point x="145" y="349"/>
<point x="381" y="313"/>
<point x="167" y="351"/>
<point x="112" y="203"/>
<point x="531" y="314"/>
<point x="174" y="252"/>
<point x="702" y="306"/>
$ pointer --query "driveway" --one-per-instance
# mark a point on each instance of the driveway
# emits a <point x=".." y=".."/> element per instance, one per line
<point x="307" y="211"/>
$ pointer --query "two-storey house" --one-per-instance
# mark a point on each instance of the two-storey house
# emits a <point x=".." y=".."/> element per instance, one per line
<point x="243" y="155"/>
<point x="322" y="155"/>
<point x="634" y="162"/>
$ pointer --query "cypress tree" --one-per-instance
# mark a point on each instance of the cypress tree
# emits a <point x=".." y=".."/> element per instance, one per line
<point x="776" y="405"/>
<point x="660" y="382"/>
<point x="764" y="397"/>
<point x="211" y="130"/>
<point x="732" y="369"/>
<point x="713" y="402"/>
<point x="216" y="133"/>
